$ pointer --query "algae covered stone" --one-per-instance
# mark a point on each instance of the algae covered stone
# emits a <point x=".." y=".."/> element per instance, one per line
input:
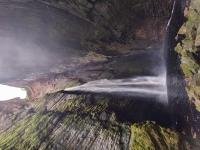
<point x="188" y="51"/>
<point x="153" y="137"/>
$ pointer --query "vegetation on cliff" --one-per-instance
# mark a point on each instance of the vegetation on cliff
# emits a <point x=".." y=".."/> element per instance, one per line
<point x="189" y="50"/>
<point x="152" y="136"/>
<point x="64" y="121"/>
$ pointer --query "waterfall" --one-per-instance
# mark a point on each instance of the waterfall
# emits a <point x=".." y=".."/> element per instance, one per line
<point x="143" y="86"/>
<point x="139" y="86"/>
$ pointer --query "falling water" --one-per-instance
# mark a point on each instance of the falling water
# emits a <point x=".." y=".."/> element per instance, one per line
<point x="140" y="86"/>
<point x="144" y="86"/>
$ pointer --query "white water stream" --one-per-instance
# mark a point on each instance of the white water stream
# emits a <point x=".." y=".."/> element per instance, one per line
<point x="144" y="86"/>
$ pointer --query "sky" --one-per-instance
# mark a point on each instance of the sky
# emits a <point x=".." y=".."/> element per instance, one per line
<point x="9" y="92"/>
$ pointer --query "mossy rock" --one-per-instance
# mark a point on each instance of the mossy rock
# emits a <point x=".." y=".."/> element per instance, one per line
<point x="197" y="40"/>
<point x="188" y="45"/>
<point x="153" y="137"/>
<point x="28" y="133"/>
<point x="193" y="21"/>
<point x="188" y="52"/>
<point x="54" y="130"/>
<point x="195" y="4"/>
<point x="189" y="66"/>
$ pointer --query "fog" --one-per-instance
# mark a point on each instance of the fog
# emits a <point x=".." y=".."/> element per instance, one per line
<point x="17" y="56"/>
<point x="35" y="37"/>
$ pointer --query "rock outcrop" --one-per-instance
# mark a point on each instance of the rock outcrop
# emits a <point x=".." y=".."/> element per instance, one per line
<point x="188" y="48"/>
<point x="68" y="121"/>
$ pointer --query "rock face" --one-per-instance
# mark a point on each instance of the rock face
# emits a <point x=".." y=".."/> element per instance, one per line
<point x="52" y="33"/>
<point x="13" y="111"/>
<point x="188" y="49"/>
<point x="68" y="121"/>
<point x="116" y="20"/>
<point x="151" y="136"/>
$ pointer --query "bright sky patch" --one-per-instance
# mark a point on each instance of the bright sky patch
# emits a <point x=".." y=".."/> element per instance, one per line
<point x="9" y="92"/>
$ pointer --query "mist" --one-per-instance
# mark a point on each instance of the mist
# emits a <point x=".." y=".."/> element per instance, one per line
<point x="144" y="86"/>
<point x="37" y="41"/>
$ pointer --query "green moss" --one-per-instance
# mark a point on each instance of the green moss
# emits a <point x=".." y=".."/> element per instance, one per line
<point x="197" y="40"/>
<point x="193" y="21"/>
<point x="195" y="4"/>
<point x="190" y="46"/>
<point x="79" y="104"/>
<point x="41" y="130"/>
<point x="198" y="108"/>
<point x="151" y="136"/>
<point x="194" y="94"/>
<point x="28" y="133"/>
<point x="188" y="63"/>
<point x="186" y="70"/>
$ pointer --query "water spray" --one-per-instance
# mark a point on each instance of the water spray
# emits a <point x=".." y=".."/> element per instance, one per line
<point x="144" y="86"/>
